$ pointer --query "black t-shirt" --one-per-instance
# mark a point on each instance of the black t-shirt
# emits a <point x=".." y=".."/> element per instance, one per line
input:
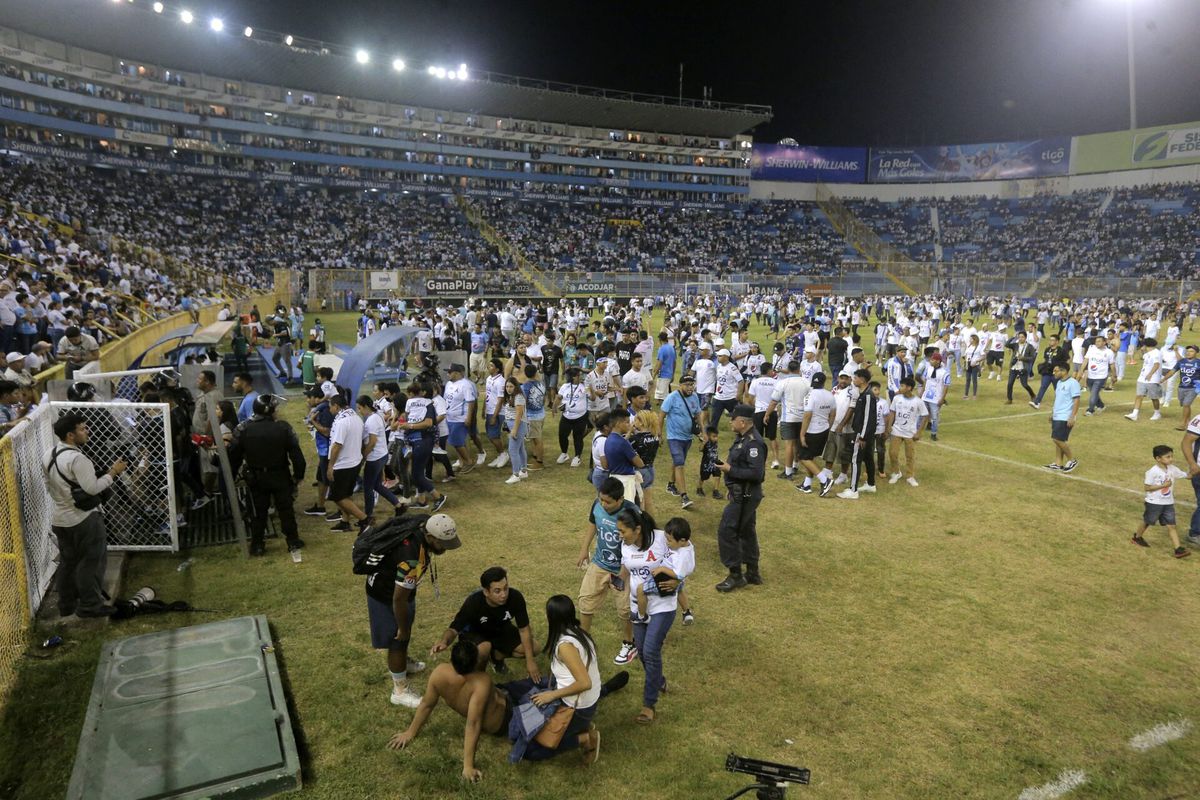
<point x="552" y="356"/>
<point x="625" y="355"/>
<point x="487" y="620"/>
<point x="282" y="332"/>
<point x="407" y="558"/>
<point x="645" y="444"/>
<point x="837" y="350"/>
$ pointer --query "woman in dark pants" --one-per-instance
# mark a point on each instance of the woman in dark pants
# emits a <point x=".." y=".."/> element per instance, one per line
<point x="419" y="427"/>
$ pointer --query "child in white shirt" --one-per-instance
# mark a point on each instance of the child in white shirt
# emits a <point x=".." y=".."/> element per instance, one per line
<point x="679" y="563"/>
<point x="1160" y="498"/>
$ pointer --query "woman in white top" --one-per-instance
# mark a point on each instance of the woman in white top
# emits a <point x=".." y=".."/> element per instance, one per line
<point x="973" y="362"/>
<point x="493" y="397"/>
<point x="375" y="457"/>
<point x="514" y="416"/>
<point x="573" y="401"/>
<point x="576" y="672"/>
<point x="643" y="547"/>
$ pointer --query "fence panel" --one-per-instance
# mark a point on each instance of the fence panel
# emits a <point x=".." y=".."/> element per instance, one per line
<point x="14" y="598"/>
<point x="141" y="513"/>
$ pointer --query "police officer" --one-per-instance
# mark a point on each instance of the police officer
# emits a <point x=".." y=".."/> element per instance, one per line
<point x="737" y="537"/>
<point x="266" y="445"/>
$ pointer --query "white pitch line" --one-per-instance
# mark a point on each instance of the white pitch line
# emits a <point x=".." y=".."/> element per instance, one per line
<point x="1067" y="780"/>
<point x="1046" y="472"/>
<point x="1018" y="416"/>
<point x="1160" y="734"/>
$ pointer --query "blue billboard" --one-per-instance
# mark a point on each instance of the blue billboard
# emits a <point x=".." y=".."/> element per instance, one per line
<point x="777" y="162"/>
<point x="991" y="161"/>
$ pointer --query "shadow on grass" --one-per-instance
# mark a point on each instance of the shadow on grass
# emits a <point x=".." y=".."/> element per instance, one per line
<point x="307" y="775"/>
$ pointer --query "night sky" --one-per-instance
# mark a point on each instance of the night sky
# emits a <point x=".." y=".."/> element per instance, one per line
<point x="852" y="72"/>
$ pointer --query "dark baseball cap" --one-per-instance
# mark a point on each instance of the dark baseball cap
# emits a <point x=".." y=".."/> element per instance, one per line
<point x="688" y="379"/>
<point x="743" y="410"/>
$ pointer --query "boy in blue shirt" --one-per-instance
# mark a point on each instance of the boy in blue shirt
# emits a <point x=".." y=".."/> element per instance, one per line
<point x="320" y="420"/>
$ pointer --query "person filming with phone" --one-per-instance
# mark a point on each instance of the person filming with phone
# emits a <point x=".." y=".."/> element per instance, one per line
<point x="78" y="519"/>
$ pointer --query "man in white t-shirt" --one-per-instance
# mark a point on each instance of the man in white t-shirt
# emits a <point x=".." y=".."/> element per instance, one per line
<point x="1149" y="381"/>
<point x="908" y="414"/>
<point x="761" y="389"/>
<point x="345" y="461"/>
<point x="705" y="370"/>
<point x="599" y="386"/>
<point x="787" y="404"/>
<point x="636" y="376"/>
<point x="461" y="399"/>
<point x="820" y="409"/>
<point x="728" y="391"/>
<point x="1099" y="362"/>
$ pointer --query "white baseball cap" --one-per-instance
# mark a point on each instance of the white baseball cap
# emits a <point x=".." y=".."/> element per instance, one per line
<point x="723" y="352"/>
<point x="442" y="529"/>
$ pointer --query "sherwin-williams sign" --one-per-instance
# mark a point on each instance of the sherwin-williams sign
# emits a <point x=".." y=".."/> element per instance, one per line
<point x="776" y="162"/>
<point x="1144" y="148"/>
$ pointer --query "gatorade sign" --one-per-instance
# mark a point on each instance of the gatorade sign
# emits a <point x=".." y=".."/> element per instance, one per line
<point x="1168" y="145"/>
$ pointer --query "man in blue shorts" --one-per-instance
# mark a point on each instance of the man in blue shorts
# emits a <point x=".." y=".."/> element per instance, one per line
<point x="461" y="397"/>
<point x="1067" y="392"/>
<point x="678" y="414"/>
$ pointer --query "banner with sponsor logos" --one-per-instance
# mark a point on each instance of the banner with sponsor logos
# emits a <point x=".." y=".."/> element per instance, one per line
<point x="990" y="161"/>
<point x="1144" y="148"/>
<point x="777" y="162"/>
<point x="591" y="287"/>
<point x="451" y="286"/>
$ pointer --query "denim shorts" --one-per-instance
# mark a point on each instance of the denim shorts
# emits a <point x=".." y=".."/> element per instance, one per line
<point x="458" y="434"/>
<point x="679" y="450"/>
<point x="647" y="474"/>
<point x="493" y="429"/>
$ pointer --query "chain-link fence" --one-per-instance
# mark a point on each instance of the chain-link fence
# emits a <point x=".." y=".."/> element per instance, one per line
<point x="141" y="513"/>
<point x="14" y="595"/>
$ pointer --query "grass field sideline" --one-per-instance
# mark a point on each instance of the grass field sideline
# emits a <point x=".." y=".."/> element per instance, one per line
<point x="969" y="638"/>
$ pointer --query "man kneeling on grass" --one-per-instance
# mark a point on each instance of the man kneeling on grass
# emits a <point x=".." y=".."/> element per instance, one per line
<point x="469" y="690"/>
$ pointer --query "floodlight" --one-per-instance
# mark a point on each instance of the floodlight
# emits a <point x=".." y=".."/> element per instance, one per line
<point x="362" y="56"/>
<point x="186" y="16"/>
<point x="288" y="40"/>
<point x="116" y="1"/>
<point x="248" y="32"/>
<point x="451" y="74"/>
<point x="439" y="72"/>
<point x="432" y="70"/>
<point x="216" y="24"/>
<point x="158" y="8"/>
<point x="462" y="72"/>
<point x="398" y="64"/>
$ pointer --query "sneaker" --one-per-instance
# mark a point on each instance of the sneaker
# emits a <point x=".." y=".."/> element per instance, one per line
<point x="1034" y="405"/>
<point x="562" y="458"/>
<point x="465" y="470"/>
<point x="1052" y="466"/>
<point x="848" y="494"/>
<point x="503" y="460"/>
<point x="315" y="511"/>
<point x="1155" y="416"/>
<point x="405" y="697"/>
<point x="1100" y="409"/>
<point x="494" y="463"/>
<point x="1194" y="538"/>
<point x="1088" y="413"/>
<point x="1139" y="541"/>
<point x="1182" y="552"/>
<point x="1070" y="465"/>
<point x="700" y="491"/>
<point x="786" y="475"/>
<point x="1131" y="415"/>
<point x="449" y="478"/>
<point x="500" y="667"/>
<point x="896" y="476"/>
<point x="933" y="436"/>
<point x="180" y="521"/>
<point x="341" y="527"/>
<point x="575" y="462"/>
<point x="439" y="451"/>
<point x="774" y="465"/>
<point x="479" y="459"/>
<point x="717" y="495"/>
<point x="868" y="489"/>
<point x="441" y="501"/>
<point x="826" y="488"/>
<point x="201" y="501"/>
<point x="514" y="478"/>
<point x="688" y="617"/>
<point x="333" y="516"/>
<point x="415" y="666"/>
<point x="616" y="682"/>
<point x="686" y="502"/>
<point x="534" y="465"/>
<point x="626" y="654"/>
<point x="840" y="479"/>
<point x="523" y="474"/>
<point x="800" y="487"/>
<point x="671" y="490"/>
<point x="913" y="482"/>
<point x="457" y="464"/>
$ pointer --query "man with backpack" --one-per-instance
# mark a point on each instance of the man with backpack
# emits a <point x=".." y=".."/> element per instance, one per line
<point x="395" y="557"/>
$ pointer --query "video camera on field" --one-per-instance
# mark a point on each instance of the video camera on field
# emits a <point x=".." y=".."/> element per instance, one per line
<point x="771" y="778"/>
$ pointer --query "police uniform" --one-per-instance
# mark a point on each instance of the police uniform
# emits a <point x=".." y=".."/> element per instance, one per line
<point x="266" y="445"/>
<point x="737" y="536"/>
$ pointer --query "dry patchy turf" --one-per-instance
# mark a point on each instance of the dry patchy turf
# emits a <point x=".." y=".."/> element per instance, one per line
<point x="968" y="638"/>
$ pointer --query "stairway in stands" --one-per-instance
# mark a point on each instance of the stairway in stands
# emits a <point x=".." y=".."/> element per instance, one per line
<point x="862" y="237"/>
<point x="528" y="270"/>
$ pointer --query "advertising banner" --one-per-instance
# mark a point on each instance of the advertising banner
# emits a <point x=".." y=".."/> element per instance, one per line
<point x="990" y="161"/>
<point x="776" y="162"/>
<point x="591" y="287"/>
<point x="385" y="281"/>
<point x="1163" y="146"/>
<point x="451" y="285"/>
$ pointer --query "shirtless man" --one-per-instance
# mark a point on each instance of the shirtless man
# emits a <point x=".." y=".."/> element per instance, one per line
<point x="472" y="694"/>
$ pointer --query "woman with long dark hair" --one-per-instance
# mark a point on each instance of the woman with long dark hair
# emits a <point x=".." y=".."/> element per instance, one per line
<point x="572" y="397"/>
<point x="644" y="547"/>
<point x="576" y="672"/>
<point x="420" y="428"/>
<point x="514" y="415"/>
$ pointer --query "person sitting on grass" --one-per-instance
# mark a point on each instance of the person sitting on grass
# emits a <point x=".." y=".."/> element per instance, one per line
<point x="680" y="562"/>
<point x="1160" y="498"/>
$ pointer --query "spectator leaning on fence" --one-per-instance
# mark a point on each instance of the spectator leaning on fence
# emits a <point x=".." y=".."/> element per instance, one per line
<point x="78" y="519"/>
